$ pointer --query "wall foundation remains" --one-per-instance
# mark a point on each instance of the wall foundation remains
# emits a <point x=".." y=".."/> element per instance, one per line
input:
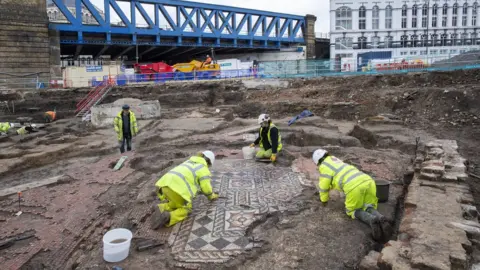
<point x="438" y="214"/>
<point x="103" y="115"/>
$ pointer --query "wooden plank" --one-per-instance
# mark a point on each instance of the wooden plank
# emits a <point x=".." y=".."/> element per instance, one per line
<point x="23" y="187"/>
<point x="120" y="163"/>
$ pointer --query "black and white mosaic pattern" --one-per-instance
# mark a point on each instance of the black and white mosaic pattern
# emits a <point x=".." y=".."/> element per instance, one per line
<point x="215" y="231"/>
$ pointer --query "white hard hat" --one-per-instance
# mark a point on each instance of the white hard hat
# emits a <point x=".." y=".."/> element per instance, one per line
<point x="12" y="124"/>
<point x="318" y="154"/>
<point x="263" y="118"/>
<point x="33" y="125"/>
<point x="210" y="155"/>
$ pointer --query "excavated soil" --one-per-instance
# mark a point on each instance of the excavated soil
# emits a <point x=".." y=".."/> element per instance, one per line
<point x="423" y="106"/>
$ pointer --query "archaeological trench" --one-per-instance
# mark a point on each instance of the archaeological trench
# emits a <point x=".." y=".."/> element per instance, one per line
<point x="417" y="131"/>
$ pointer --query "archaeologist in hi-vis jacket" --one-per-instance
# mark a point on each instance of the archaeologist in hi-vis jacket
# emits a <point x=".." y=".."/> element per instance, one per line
<point x="180" y="186"/>
<point x="269" y="139"/>
<point x="125" y="124"/>
<point x="360" y="189"/>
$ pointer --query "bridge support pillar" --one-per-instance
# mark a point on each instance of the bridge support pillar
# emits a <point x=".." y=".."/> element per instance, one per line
<point x="55" y="62"/>
<point x="309" y="35"/>
<point x="24" y="41"/>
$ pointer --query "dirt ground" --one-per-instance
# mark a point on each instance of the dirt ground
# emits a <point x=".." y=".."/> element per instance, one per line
<point x="372" y="122"/>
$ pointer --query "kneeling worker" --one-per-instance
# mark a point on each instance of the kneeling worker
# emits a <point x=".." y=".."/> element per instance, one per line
<point x="360" y="190"/>
<point x="180" y="186"/>
<point x="269" y="139"/>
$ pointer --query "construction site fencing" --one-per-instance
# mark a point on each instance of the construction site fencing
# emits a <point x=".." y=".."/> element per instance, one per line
<point x="10" y="81"/>
<point x="359" y="66"/>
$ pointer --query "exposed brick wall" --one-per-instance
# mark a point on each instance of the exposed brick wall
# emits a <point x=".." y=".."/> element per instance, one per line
<point x="24" y="38"/>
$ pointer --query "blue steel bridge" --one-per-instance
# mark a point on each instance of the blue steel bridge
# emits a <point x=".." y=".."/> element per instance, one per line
<point x="169" y="29"/>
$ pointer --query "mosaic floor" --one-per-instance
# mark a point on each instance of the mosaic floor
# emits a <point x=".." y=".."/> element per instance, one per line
<point x="215" y="231"/>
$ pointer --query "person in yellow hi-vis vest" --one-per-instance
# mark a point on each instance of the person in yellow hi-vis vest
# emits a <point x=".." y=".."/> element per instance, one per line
<point x="269" y="139"/>
<point x="125" y="125"/>
<point x="180" y="186"/>
<point x="360" y="189"/>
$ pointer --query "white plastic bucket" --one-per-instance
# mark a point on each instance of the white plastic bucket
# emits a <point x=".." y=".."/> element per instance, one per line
<point x="248" y="152"/>
<point x="116" y="245"/>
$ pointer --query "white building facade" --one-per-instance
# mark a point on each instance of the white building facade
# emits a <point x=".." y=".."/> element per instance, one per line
<point x="409" y="29"/>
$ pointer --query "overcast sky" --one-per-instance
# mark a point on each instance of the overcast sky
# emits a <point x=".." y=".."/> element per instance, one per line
<point x="319" y="8"/>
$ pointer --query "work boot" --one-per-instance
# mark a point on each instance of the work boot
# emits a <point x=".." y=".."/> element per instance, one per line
<point x="387" y="229"/>
<point x="159" y="219"/>
<point x="372" y="221"/>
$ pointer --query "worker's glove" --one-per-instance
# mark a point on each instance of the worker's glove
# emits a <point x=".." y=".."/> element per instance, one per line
<point x="324" y="204"/>
<point x="252" y="145"/>
<point x="212" y="196"/>
<point x="273" y="158"/>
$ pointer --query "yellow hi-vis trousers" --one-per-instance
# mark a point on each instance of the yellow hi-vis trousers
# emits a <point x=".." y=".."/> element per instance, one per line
<point x="178" y="207"/>
<point x="361" y="197"/>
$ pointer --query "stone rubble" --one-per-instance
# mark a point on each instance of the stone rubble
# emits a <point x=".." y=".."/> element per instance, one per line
<point x="438" y="214"/>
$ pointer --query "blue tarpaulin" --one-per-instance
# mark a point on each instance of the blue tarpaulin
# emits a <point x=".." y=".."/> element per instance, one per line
<point x="304" y="114"/>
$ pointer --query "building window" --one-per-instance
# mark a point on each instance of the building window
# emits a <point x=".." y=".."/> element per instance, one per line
<point x="464" y="38"/>
<point x="362" y="43"/>
<point x="474" y="38"/>
<point x="444" y="15"/>
<point x="424" y="16"/>
<point x="435" y="40"/>
<point x="343" y="18"/>
<point x="413" y="52"/>
<point x="404" y="41"/>
<point x="443" y="39"/>
<point x="414" y="16"/>
<point x="463" y="51"/>
<point x="434" y="22"/>
<point x="423" y="52"/>
<point x="433" y="52"/>
<point x="474" y="14"/>
<point x="424" y="41"/>
<point x="343" y="43"/>
<point x="464" y="20"/>
<point x="465" y="9"/>
<point x="454" y="12"/>
<point x="388" y="41"/>
<point x="388" y="17"/>
<point x="403" y="53"/>
<point x="414" y="39"/>
<point x="444" y="51"/>
<point x="454" y="39"/>
<point x="375" y="17"/>
<point x="435" y="9"/>
<point x="375" y="42"/>
<point x="362" y="18"/>
<point x="404" y="11"/>
<point x="453" y="51"/>
<point x="404" y="22"/>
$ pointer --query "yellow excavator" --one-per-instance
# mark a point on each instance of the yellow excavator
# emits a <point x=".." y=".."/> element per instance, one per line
<point x="197" y="69"/>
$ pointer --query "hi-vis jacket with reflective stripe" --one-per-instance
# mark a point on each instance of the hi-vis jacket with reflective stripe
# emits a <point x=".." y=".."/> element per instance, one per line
<point x="187" y="178"/>
<point x="118" y="125"/>
<point x="334" y="174"/>
<point x="4" y="127"/>
<point x="279" y="146"/>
